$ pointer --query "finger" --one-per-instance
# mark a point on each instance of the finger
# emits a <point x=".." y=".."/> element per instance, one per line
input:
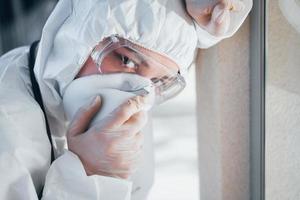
<point x="139" y="138"/>
<point x="236" y="5"/>
<point x="136" y="122"/>
<point x="200" y="15"/>
<point x="220" y="21"/>
<point x="123" y="176"/>
<point x="224" y="4"/>
<point x="232" y="5"/>
<point x="83" y="117"/>
<point x="125" y="111"/>
<point x="220" y="16"/>
<point x="222" y="24"/>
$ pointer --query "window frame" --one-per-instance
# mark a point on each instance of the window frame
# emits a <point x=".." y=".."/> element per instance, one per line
<point x="257" y="99"/>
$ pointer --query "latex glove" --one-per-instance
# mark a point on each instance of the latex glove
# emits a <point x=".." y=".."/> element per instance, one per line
<point x="214" y="15"/>
<point x="112" y="147"/>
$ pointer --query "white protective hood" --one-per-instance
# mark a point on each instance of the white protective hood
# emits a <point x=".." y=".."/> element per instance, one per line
<point x="76" y="26"/>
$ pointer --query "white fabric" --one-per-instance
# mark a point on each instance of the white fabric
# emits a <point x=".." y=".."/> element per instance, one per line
<point x="235" y="20"/>
<point x="114" y="89"/>
<point x="77" y="185"/>
<point x="71" y="31"/>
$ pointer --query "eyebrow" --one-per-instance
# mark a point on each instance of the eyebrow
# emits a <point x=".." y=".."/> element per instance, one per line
<point x="128" y="53"/>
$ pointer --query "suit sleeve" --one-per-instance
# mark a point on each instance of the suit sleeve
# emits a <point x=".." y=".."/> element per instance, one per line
<point x="25" y="149"/>
<point x="66" y="179"/>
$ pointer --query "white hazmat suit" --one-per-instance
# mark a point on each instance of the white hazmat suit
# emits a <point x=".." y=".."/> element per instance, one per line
<point x="70" y="33"/>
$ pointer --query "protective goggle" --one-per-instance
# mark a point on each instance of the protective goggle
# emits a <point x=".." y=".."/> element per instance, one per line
<point x="115" y="54"/>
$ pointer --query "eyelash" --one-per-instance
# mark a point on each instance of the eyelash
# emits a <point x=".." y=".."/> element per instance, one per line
<point x="131" y="57"/>
<point x="126" y="60"/>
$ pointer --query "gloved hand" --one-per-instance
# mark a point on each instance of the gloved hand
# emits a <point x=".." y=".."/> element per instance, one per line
<point x="214" y="15"/>
<point x="112" y="147"/>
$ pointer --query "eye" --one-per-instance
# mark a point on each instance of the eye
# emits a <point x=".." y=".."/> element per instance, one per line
<point x="127" y="62"/>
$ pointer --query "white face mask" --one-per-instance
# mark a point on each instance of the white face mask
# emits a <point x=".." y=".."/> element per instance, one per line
<point x="114" y="89"/>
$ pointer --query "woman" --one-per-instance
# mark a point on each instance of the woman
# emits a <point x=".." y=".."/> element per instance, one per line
<point x="155" y="40"/>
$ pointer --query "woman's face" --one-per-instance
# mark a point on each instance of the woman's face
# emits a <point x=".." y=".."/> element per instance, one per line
<point x="125" y="59"/>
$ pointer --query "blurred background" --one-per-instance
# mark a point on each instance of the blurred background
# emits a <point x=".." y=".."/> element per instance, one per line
<point x="175" y="138"/>
<point x="282" y="154"/>
<point x="21" y="21"/>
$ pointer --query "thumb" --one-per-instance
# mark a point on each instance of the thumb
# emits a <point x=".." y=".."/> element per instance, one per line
<point x="83" y="116"/>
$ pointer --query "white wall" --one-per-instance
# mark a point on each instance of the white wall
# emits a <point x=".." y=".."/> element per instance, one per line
<point x="223" y="118"/>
